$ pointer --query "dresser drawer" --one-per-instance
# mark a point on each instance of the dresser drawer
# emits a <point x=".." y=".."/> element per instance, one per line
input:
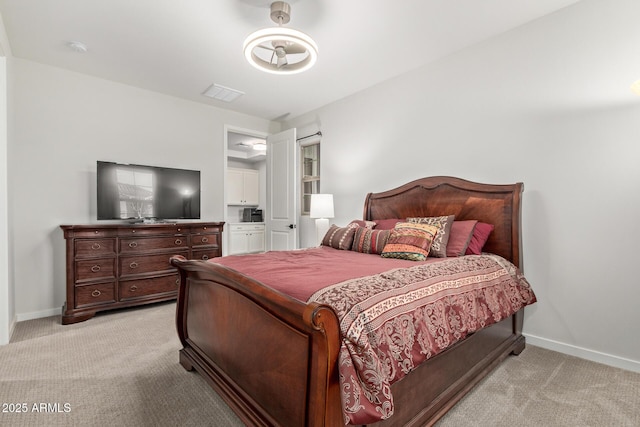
<point x="152" y="230"/>
<point x="86" y="248"/>
<point x="132" y="289"/>
<point x="88" y="232"/>
<point x="87" y="295"/>
<point x="204" y="229"/>
<point x="95" y="269"/>
<point x="205" y="239"/>
<point x="205" y="254"/>
<point x="143" y="244"/>
<point x="131" y="265"/>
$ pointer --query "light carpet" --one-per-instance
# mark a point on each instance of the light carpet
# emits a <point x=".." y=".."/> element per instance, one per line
<point x="121" y="369"/>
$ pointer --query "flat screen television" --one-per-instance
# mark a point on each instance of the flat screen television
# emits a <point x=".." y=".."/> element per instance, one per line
<point x="138" y="192"/>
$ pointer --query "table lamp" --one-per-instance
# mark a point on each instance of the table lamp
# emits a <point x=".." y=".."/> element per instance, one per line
<point x="322" y="209"/>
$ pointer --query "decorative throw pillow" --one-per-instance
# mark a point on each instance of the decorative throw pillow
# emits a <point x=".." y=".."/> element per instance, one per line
<point x="439" y="246"/>
<point x="339" y="237"/>
<point x="361" y="223"/>
<point x="461" y="232"/>
<point x="387" y="224"/>
<point x="480" y="236"/>
<point x="370" y="241"/>
<point x="410" y="241"/>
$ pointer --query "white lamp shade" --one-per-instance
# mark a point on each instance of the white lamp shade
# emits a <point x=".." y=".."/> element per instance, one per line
<point x="321" y="206"/>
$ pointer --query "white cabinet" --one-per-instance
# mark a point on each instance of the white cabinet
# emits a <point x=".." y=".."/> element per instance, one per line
<point x="243" y="187"/>
<point x="246" y="238"/>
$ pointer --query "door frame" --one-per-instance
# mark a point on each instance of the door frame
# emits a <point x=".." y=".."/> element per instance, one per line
<point x="244" y="131"/>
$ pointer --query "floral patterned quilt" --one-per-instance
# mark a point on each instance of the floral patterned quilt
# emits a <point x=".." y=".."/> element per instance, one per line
<point x="393" y="321"/>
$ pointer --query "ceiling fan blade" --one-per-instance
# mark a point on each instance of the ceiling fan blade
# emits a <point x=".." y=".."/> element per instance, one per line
<point x="295" y="48"/>
<point x="282" y="61"/>
<point x="265" y="47"/>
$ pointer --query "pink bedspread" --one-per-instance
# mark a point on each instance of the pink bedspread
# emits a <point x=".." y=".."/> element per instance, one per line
<point x="394" y="314"/>
<point x="302" y="272"/>
<point x="393" y="321"/>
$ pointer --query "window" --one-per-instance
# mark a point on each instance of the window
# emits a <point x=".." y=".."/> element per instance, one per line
<point x="136" y="193"/>
<point x="310" y="159"/>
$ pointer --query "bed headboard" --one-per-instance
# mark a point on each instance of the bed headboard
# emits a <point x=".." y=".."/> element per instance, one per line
<point x="442" y="195"/>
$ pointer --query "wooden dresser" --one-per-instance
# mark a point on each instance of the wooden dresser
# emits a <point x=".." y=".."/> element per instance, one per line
<point x="124" y="265"/>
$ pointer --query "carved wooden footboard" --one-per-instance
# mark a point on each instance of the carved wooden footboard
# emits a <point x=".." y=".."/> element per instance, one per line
<point x="273" y="359"/>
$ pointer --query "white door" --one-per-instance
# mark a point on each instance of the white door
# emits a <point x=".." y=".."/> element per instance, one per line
<point x="282" y="206"/>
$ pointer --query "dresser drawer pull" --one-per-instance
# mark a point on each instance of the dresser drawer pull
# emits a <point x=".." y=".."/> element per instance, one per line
<point x="133" y="265"/>
<point x="133" y="288"/>
<point x="96" y="293"/>
<point x="205" y="257"/>
<point x="95" y="268"/>
<point x="133" y="244"/>
<point x="177" y="282"/>
<point x="205" y="240"/>
<point x="178" y="242"/>
<point x="95" y="246"/>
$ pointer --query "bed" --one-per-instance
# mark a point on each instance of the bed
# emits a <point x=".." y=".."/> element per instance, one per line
<point x="274" y="358"/>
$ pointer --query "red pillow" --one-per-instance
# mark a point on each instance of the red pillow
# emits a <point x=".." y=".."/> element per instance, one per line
<point x="460" y="236"/>
<point x="387" y="224"/>
<point x="480" y="236"/>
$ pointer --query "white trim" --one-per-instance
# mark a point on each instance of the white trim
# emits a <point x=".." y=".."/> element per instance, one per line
<point x="225" y="155"/>
<point x="584" y="353"/>
<point x="12" y="327"/>
<point x="7" y="300"/>
<point x="38" y="314"/>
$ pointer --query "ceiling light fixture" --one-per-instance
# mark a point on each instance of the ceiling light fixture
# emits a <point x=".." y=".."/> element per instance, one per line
<point x="280" y="50"/>
<point x="260" y="146"/>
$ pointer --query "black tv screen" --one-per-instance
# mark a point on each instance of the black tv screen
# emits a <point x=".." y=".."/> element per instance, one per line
<point x="147" y="192"/>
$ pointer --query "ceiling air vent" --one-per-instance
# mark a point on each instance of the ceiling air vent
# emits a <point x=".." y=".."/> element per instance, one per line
<point x="222" y="93"/>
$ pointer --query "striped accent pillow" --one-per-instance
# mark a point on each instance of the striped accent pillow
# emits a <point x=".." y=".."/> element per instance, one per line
<point x="439" y="246"/>
<point x="410" y="241"/>
<point x="370" y="241"/>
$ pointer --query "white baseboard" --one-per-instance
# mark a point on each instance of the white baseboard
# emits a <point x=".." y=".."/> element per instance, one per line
<point x="12" y="326"/>
<point x="584" y="353"/>
<point x="21" y="317"/>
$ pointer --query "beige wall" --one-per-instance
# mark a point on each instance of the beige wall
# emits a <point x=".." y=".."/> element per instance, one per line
<point x="547" y="104"/>
<point x="63" y="122"/>
<point x="7" y="306"/>
<point x="7" y="303"/>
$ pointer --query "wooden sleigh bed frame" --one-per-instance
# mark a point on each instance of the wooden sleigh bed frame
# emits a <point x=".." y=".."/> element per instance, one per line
<point x="273" y="359"/>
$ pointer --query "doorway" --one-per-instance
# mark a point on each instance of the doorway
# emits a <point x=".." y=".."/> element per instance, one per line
<point x="245" y="190"/>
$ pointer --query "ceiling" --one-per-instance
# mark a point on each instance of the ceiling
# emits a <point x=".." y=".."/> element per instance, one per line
<point x="180" y="48"/>
<point x="240" y="147"/>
